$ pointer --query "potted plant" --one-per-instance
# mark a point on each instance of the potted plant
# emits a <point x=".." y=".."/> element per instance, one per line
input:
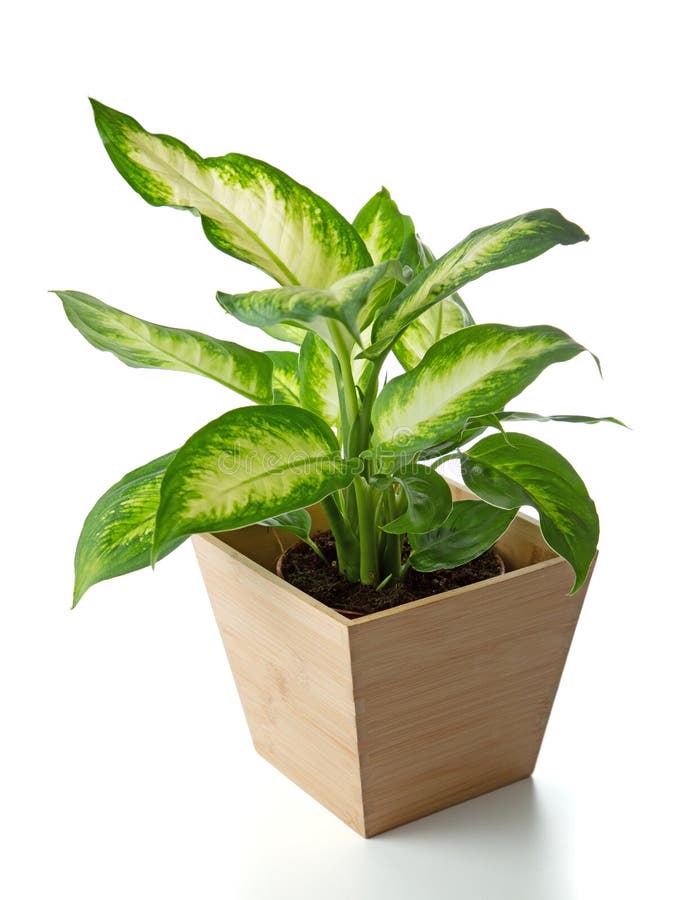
<point x="409" y="685"/>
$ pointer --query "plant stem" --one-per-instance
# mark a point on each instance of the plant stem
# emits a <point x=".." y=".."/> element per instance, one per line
<point x="345" y="540"/>
<point x="369" y="568"/>
<point x="391" y="560"/>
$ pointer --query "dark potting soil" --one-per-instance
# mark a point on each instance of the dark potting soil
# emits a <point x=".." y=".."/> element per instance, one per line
<point x="304" y="569"/>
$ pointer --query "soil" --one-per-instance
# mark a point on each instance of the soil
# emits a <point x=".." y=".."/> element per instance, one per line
<point x="304" y="569"/>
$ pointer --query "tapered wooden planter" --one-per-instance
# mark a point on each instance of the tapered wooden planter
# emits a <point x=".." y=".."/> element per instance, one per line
<point x="398" y="714"/>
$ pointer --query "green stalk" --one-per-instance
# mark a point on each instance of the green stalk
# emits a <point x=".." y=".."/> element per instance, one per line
<point x="369" y="567"/>
<point x="391" y="560"/>
<point x="345" y="540"/>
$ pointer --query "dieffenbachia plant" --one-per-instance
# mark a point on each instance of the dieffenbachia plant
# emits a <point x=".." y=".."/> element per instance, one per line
<point x="322" y="429"/>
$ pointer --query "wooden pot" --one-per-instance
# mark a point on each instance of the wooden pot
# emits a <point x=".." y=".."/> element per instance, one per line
<point x="389" y="717"/>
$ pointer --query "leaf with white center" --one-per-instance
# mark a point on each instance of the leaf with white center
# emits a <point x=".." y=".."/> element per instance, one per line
<point x="470" y="373"/>
<point x="248" y="465"/>
<point x="284" y="378"/>
<point x="426" y="494"/>
<point x="470" y="530"/>
<point x="117" y="535"/>
<point x="143" y="344"/>
<point x="507" y="243"/>
<point x="248" y="208"/>
<point x="437" y="322"/>
<point x="318" y="386"/>
<point x="315" y="309"/>
<point x="522" y="470"/>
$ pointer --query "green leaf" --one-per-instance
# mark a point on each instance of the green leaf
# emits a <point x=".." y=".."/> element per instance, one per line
<point x="284" y="378"/>
<point x="440" y="320"/>
<point x="522" y="470"/>
<point x="118" y="532"/>
<point x="470" y="530"/>
<point x="470" y="373"/>
<point x="386" y="232"/>
<point x="145" y="345"/>
<point x="427" y="495"/>
<point x="312" y="308"/>
<point x="505" y="244"/>
<point x="248" y="208"/>
<point x="288" y="333"/>
<point x="318" y="387"/>
<point x="297" y="521"/>
<point x="248" y="465"/>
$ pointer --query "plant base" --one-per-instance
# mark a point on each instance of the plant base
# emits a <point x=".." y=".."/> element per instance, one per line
<point x="395" y="715"/>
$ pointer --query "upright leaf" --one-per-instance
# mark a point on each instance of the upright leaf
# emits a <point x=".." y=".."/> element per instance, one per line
<point x="472" y="372"/>
<point x="386" y="232"/>
<point x="440" y="320"/>
<point x="248" y="465"/>
<point x="505" y="244"/>
<point x="284" y="378"/>
<point x="520" y="470"/>
<point x="145" y="345"/>
<point x="248" y="208"/>
<point x="318" y="386"/>
<point x="470" y="530"/>
<point x="117" y="535"/>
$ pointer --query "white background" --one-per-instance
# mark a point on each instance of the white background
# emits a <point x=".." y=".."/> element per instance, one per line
<point x="126" y="767"/>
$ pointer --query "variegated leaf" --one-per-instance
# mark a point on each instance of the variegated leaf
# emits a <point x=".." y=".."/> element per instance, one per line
<point x="145" y="345"/>
<point x="246" y="466"/>
<point x="284" y="378"/>
<point x="248" y="208"/>
<point x="495" y="247"/>
<point x="472" y="372"/>
<point x="517" y="470"/>
<point x="470" y="530"/>
<point x="318" y="385"/>
<point x="312" y="308"/>
<point x="386" y="232"/>
<point x="440" y="320"/>
<point x="427" y="499"/>
<point x="118" y="532"/>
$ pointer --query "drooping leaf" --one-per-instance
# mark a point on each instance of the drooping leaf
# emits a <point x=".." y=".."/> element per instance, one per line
<point x="472" y="372"/>
<point x="118" y="532"/>
<point x="427" y="495"/>
<point x="312" y="308"/>
<point x="248" y="465"/>
<point x="507" y="243"/>
<point x="288" y="333"/>
<point x="318" y="387"/>
<point x="284" y="378"/>
<point x="145" y="345"/>
<point x="471" y="528"/>
<point x="248" y="208"/>
<point x="522" y="470"/>
<point x="296" y="521"/>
